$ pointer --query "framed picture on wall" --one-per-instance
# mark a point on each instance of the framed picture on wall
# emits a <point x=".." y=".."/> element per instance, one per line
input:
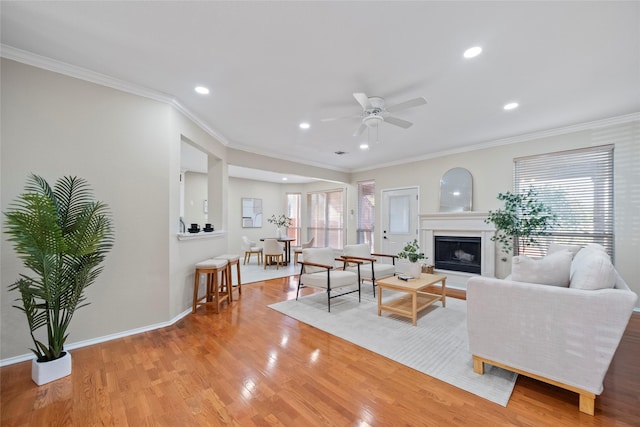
<point x="251" y="213"/>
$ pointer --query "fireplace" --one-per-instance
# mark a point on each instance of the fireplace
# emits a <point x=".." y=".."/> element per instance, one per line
<point x="457" y="225"/>
<point x="456" y="253"/>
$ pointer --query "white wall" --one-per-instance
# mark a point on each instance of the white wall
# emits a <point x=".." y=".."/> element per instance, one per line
<point x="274" y="201"/>
<point x="492" y="171"/>
<point x="128" y="148"/>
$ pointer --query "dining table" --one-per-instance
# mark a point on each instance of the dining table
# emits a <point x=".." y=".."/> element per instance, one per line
<point x="287" y="246"/>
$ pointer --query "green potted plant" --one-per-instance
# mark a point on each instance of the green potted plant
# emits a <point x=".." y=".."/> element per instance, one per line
<point x="522" y="219"/>
<point x="62" y="236"/>
<point x="411" y="252"/>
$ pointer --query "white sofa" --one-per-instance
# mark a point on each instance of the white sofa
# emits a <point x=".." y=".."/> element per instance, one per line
<point x="564" y="332"/>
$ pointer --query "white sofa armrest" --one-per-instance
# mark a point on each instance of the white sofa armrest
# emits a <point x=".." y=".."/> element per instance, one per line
<point x="563" y="334"/>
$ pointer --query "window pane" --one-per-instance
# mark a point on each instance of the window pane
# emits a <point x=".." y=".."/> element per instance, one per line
<point x="366" y="213"/>
<point x="325" y="212"/>
<point x="399" y="211"/>
<point x="578" y="187"/>
<point x="293" y="212"/>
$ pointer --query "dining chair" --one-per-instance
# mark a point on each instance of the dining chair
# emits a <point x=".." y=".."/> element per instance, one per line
<point x="273" y="251"/>
<point x="298" y="250"/>
<point x="250" y="247"/>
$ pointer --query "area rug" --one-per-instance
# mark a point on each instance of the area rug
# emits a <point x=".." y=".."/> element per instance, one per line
<point x="437" y="346"/>
<point x="254" y="272"/>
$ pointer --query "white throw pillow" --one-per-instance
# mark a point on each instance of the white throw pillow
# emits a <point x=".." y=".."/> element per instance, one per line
<point x="554" y="269"/>
<point x="556" y="247"/>
<point x="585" y="252"/>
<point x="592" y="269"/>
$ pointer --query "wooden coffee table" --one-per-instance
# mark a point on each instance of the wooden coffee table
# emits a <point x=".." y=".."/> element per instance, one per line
<point x="416" y="300"/>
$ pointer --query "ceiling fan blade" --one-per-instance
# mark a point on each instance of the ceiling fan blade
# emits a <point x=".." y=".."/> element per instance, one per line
<point x="362" y="100"/>
<point x="360" y="130"/>
<point x="398" y="122"/>
<point x="332" y="119"/>
<point x="407" y="104"/>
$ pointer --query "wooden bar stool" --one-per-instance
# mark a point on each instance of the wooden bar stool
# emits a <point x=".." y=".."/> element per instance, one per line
<point x="216" y="289"/>
<point x="231" y="261"/>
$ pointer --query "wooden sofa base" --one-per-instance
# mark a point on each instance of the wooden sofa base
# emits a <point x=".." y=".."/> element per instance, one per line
<point x="587" y="399"/>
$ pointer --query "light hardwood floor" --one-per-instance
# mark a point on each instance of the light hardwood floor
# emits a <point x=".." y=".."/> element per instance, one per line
<point x="252" y="366"/>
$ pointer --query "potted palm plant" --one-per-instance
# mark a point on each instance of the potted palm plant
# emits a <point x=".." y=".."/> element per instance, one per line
<point x="62" y="236"/>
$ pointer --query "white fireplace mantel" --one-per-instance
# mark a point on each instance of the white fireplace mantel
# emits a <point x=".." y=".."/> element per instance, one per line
<point x="464" y="224"/>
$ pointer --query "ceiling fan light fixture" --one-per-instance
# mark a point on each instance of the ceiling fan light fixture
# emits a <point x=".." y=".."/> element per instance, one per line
<point x="472" y="52"/>
<point x="373" y="120"/>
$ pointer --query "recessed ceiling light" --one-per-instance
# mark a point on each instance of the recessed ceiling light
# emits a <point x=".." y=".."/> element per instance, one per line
<point x="364" y="146"/>
<point x="202" y="90"/>
<point x="304" y="125"/>
<point x="472" y="52"/>
<point x="511" y="106"/>
<point x="284" y="178"/>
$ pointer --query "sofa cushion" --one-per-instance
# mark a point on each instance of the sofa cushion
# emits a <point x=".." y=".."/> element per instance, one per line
<point x="379" y="269"/>
<point x="338" y="279"/>
<point x="554" y="269"/>
<point x="592" y="269"/>
<point x="556" y="247"/>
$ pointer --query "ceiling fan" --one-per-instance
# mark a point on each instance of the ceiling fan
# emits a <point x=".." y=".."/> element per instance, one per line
<point x="374" y="112"/>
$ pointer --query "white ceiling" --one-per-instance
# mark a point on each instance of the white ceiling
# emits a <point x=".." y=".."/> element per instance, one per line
<point x="271" y="65"/>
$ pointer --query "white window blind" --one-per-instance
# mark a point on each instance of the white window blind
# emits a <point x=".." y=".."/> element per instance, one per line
<point x="578" y="187"/>
<point x="326" y="218"/>
<point x="293" y="212"/>
<point x="366" y="212"/>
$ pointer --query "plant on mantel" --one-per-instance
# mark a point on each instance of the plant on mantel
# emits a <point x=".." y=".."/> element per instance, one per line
<point x="62" y="235"/>
<point x="522" y="219"/>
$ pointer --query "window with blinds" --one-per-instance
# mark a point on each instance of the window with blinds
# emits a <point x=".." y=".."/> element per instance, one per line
<point x="293" y="212"/>
<point x="577" y="186"/>
<point x="366" y="212"/>
<point x="326" y="218"/>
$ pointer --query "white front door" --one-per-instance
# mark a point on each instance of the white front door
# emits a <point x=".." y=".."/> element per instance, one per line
<point x="399" y="224"/>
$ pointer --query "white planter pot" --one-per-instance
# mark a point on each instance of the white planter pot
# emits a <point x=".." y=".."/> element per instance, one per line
<point x="415" y="269"/>
<point x="45" y="372"/>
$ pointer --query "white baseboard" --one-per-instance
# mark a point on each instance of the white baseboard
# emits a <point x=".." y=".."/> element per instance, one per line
<point x="79" y="344"/>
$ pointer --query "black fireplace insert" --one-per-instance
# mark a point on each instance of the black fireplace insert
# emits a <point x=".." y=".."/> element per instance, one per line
<point x="455" y="253"/>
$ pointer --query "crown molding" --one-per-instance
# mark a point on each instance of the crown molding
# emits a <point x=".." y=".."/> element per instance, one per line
<point x="596" y="124"/>
<point x="39" y="61"/>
